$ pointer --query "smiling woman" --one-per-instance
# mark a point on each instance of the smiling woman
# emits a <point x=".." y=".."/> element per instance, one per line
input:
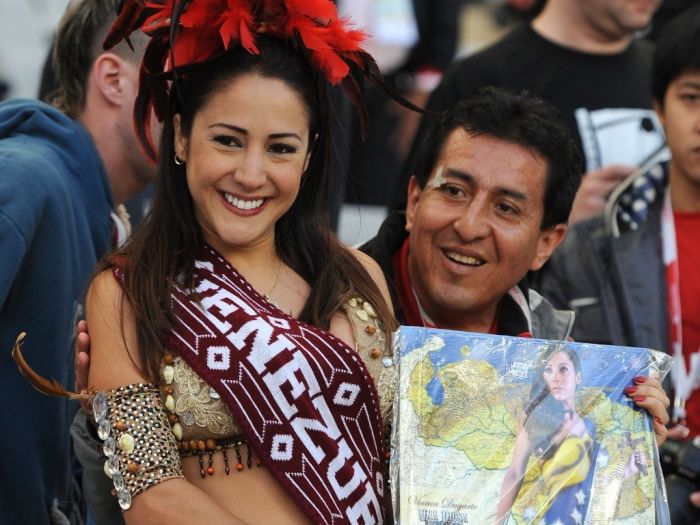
<point x="246" y="152"/>
<point x="234" y="331"/>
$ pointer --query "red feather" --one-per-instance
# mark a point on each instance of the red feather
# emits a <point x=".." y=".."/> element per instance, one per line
<point x="236" y="25"/>
<point x="125" y="23"/>
<point x="248" y="38"/>
<point x="207" y="28"/>
<point x="354" y="93"/>
<point x="202" y="13"/>
<point x="159" y="20"/>
<point x="347" y="39"/>
<point x="195" y="45"/>
<point x="43" y="385"/>
<point x="149" y="98"/>
<point x="316" y="39"/>
<point x="323" y="11"/>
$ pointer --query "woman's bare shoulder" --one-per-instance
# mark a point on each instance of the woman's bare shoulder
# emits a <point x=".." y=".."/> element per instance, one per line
<point x="375" y="272"/>
<point x="368" y="263"/>
<point x="113" y="342"/>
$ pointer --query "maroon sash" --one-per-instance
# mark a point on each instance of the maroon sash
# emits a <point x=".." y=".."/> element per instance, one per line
<point x="304" y="399"/>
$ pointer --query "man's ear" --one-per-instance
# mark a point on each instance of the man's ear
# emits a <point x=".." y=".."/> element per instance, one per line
<point x="546" y="244"/>
<point x="179" y="140"/>
<point x="115" y="78"/>
<point x="414" y="193"/>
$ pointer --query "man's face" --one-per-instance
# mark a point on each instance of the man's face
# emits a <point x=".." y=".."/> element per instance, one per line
<point x="618" y="18"/>
<point x="680" y="116"/>
<point x="142" y="168"/>
<point x="475" y="228"/>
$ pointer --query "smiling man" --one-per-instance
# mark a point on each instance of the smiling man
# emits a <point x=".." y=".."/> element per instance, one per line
<point x="489" y="203"/>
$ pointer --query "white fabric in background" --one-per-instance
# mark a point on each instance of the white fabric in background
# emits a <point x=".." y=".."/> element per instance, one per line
<point x="391" y="25"/>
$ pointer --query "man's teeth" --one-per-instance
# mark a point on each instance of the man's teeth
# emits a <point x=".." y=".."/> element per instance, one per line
<point x="242" y="204"/>
<point x="464" y="259"/>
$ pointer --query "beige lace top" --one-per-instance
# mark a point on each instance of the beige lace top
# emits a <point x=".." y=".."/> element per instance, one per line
<point x="203" y="415"/>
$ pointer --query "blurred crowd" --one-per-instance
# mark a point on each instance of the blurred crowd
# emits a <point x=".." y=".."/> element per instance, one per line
<point x="607" y="253"/>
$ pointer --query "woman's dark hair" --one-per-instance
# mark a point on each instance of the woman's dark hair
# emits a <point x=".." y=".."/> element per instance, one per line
<point x="167" y="244"/>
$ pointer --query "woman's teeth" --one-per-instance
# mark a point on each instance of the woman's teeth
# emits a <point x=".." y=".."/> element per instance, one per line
<point x="243" y="204"/>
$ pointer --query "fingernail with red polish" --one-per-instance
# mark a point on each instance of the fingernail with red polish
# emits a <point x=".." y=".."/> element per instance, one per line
<point x="640" y="379"/>
<point x="630" y="390"/>
<point x="639" y="399"/>
<point x="658" y="421"/>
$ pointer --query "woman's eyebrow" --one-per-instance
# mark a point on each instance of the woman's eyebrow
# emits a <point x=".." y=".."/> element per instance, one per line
<point x="237" y="129"/>
<point x="285" y="135"/>
<point x="243" y="131"/>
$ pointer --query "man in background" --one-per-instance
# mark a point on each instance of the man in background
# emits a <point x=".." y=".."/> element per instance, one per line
<point x="63" y="171"/>
<point x="583" y="58"/>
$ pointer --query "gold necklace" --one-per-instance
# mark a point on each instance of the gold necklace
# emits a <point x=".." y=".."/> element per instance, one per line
<point x="268" y="295"/>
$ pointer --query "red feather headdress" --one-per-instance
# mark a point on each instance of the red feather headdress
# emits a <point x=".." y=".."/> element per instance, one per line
<point x="188" y="32"/>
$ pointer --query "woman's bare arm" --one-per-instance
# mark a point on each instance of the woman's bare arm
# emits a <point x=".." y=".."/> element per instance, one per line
<point x="114" y="362"/>
<point x="513" y="479"/>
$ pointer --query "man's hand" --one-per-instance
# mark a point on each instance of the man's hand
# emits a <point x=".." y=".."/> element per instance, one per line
<point x="82" y="361"/>
<point x="596" y="187"/>
<point x="678" y="432"/>
<point x="695" y="499"/>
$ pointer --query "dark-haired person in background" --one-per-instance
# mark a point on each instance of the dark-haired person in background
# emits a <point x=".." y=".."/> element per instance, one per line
<point x="63" y="170"/>
<point x="668" y="10"/>
<point x="583" y="58"/>
<point x="633" y="274"/>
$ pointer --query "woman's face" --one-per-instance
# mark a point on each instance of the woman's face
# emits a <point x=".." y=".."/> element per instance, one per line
<point x="561" y="377"/>
<point x="245" y="155"/>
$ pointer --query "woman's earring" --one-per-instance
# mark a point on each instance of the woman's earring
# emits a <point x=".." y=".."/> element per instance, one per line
<point x="178" y="160"/>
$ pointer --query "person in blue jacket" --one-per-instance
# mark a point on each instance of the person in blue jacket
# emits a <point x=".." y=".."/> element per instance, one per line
<point x="62" y="171"/>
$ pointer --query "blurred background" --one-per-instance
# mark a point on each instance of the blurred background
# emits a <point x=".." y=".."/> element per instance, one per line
<point x="27" y="26"/>
<point x="26" y="30"/>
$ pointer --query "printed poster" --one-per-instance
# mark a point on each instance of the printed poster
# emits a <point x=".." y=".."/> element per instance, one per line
<point x="505" y="430"/>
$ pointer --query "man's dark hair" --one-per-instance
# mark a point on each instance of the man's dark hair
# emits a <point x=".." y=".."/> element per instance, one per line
<point x="520" y="119"/>
<point x="676" y="52"/>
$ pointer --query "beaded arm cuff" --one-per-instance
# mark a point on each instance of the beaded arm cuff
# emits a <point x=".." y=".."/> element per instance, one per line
<point x="140" y="448"/>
